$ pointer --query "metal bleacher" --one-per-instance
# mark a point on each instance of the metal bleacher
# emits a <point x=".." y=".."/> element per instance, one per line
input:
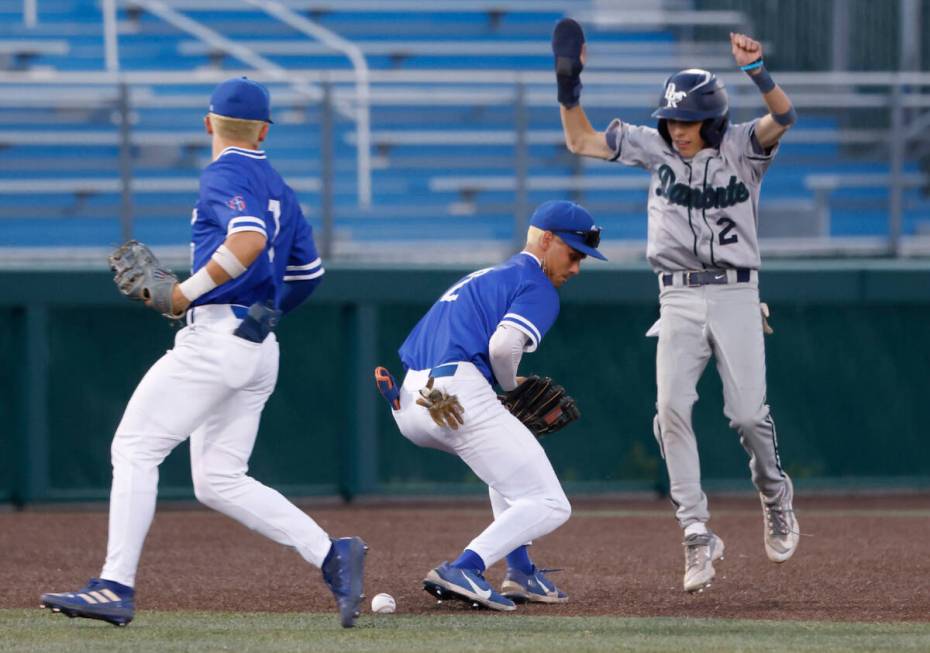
<point x="464" y="130"/>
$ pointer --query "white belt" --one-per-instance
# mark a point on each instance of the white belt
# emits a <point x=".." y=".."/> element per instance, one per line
<point x="217" y="315"/>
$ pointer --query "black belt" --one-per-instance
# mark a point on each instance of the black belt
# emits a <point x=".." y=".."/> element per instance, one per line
<point x="705" y="277"/>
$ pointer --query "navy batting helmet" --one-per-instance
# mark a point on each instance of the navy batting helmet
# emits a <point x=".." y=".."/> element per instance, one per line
<point x="694" y="95"/>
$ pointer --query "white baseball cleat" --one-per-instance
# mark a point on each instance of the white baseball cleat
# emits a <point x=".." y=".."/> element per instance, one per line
<point x="701" y="551"/>
<point x="781" y="531"/>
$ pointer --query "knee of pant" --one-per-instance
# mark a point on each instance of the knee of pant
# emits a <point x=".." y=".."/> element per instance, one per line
<point x="139" y="449"/>
<point x="672" y="412"/>
<point x="560" y="508"/>
<point x="746" y="422"/>
<point x="205" y="493"/>
<point x="210" y="489"/>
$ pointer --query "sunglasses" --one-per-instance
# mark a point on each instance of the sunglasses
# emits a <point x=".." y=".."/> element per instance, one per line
<point x="590" y="237"/>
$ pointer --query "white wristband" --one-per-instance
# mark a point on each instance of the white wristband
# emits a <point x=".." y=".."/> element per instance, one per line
<point x="228" y="261"/>
<point x="197" y="284"/>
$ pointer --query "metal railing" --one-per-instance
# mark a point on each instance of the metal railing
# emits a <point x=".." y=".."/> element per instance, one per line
<point x="272" y="71"/>
<point x="504" y="182"/>
<point x="357" y="57"/>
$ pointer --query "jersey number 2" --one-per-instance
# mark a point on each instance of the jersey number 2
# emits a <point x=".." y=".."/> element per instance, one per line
<point x="452" y="293"/>
<point x="725" y="237"/>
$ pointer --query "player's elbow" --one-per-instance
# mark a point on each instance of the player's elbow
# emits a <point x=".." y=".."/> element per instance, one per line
<point x="247" y="245"/>
<point x="786" y="118"/>
<point x="575" y="145"/>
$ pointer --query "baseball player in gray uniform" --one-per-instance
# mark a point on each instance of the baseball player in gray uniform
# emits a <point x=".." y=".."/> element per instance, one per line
<point x="703" y="212"/>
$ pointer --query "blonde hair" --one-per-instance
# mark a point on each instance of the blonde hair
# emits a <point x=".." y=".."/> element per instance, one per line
<point x="533" y="235"/>
<point x="236" y="129"/>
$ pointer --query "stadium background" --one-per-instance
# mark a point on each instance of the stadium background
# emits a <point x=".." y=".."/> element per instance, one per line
<point x="420" y="136"/>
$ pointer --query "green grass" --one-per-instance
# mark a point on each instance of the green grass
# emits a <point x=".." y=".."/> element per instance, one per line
<point x="35" y="631"/>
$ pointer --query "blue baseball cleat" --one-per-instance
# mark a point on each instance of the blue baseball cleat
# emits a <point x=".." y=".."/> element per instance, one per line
<point x="387" y="386"/>
<point x="448" y="582"/>
<point x="106" y="600"/>
<point x="531" y="588"/>
<point x="343" y="571"/>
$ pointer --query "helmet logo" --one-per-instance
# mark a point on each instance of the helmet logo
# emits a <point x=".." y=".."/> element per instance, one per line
<point x="673" y="97"/>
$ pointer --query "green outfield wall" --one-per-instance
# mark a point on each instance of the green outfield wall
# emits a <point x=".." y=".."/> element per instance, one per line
<point x="847" y="372"/>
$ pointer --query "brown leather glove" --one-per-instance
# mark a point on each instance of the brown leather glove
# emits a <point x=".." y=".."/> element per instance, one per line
<point x="444" y="408"/>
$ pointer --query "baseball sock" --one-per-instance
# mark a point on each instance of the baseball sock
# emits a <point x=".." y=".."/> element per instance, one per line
<point x="469" y="560"/>
<point x="519" y="559"/>
<point x="329" y="556"/>
<point x="699" y="528"/>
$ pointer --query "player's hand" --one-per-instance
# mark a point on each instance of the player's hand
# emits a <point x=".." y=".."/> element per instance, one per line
<point x="745" y="50"/>
<point x="179" y="303"/>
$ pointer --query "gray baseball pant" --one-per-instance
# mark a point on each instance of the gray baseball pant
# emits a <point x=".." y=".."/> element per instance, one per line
<point x="696" y="323"/>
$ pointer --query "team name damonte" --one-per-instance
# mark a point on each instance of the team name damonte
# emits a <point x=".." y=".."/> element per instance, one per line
<point x="706" y="197"/>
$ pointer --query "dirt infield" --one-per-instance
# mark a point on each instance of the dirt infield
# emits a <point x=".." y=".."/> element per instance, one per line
<point x="863" y="559"/>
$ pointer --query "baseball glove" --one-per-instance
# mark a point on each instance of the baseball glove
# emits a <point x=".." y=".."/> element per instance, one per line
<point x="139" y="275"/>
<point x="541" y="404"/>
<point x="444" y="408"/>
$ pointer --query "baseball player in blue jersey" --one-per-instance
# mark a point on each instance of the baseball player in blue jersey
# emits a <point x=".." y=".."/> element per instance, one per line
<point x="474" y="335"/>
<point x="253" y="257"/>
<point x="703" y="245"/>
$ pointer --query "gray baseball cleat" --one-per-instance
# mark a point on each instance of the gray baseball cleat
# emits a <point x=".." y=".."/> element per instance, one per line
<point x="781" y="531"/>
<point x="701" y="551"/>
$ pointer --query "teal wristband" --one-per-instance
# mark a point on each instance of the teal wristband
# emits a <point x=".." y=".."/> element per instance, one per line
<point x="758" y="63"/>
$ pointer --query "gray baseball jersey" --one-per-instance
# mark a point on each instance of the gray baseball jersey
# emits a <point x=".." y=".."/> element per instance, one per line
<point x="703" y="212"/>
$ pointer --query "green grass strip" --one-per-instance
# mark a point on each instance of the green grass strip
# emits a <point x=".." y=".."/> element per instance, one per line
<point x="37" y="631"/>
<point x="916" y="513"/>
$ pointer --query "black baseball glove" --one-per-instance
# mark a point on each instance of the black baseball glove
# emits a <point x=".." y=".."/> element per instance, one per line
<point x="140" y="276"/>
<point x="541" y="404"/>
<point x="567" y="47"/>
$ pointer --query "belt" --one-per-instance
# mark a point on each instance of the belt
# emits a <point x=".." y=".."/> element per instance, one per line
<point x="446" y="369"/>
<point x="705" y="277"/>
<point x="238" y="311"/>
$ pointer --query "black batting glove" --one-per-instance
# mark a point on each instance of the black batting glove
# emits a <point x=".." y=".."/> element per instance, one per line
<point x="261" y="319"/>
<point x="567" y="41"/>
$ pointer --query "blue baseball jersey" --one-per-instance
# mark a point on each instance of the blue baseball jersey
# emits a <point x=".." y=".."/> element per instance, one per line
<point x="459" y="326"/>
<point x="240" y="191"/>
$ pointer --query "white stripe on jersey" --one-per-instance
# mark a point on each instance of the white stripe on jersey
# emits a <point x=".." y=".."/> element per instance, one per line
<point x="241" y="151"/>
<point x="248" y="227"/>
<point x="308" y="266"/>
<point x="525" y="325"/>
<point x="246" y="223"/>
<point x="305" y="277"/>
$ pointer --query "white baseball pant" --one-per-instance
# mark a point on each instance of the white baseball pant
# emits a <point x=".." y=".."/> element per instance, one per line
<point x="212" y="388"/>
<point x="499" y="449"/>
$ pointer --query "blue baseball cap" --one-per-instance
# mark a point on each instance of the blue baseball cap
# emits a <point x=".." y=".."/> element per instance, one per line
<point x="572" y="223"/>
<point x="241" y="98"/>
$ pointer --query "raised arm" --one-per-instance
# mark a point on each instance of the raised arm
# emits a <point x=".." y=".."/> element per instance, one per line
<point x="568" y="47"/>
<point x="748" y="55"/>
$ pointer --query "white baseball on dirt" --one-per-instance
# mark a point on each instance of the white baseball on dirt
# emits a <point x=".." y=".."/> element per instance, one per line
<point x="383" y="604"/>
